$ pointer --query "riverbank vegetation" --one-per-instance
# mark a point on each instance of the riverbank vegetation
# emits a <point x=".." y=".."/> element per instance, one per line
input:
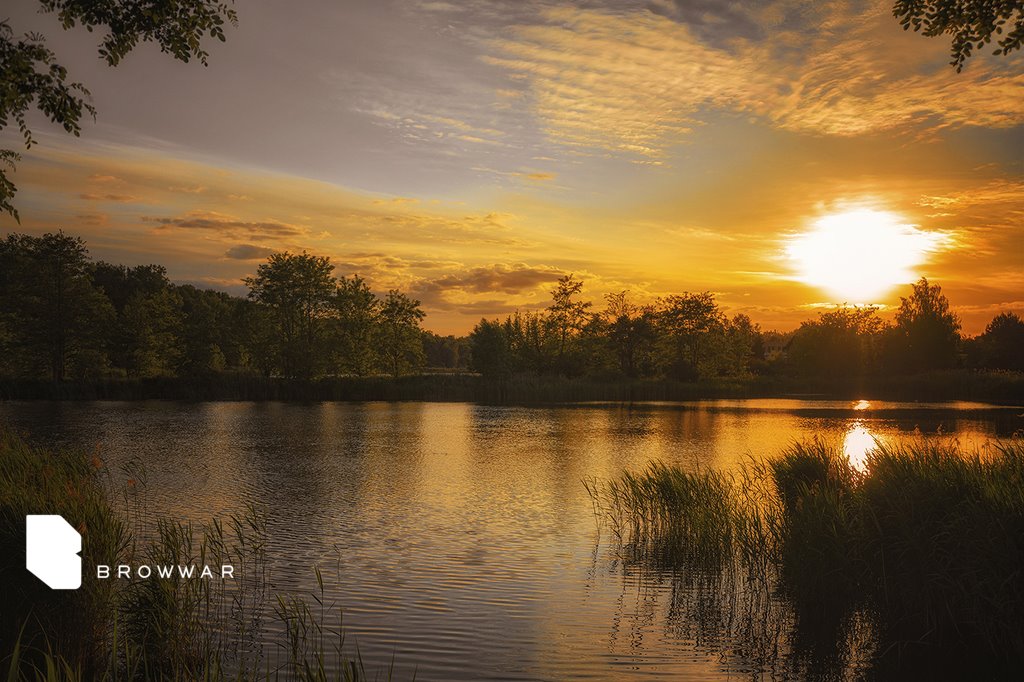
<point x="970" y="385"/>
<point x="815" y="568"/>
<point x="174" y="629"/>
<point x="98" y="330"/>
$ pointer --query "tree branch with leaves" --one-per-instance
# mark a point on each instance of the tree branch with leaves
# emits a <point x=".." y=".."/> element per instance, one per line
<point x="31" y="77"/>
<point x="972" y="23"/>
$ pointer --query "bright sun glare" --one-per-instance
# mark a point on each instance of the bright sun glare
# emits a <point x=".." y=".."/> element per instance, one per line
<point x="859" y="255"/>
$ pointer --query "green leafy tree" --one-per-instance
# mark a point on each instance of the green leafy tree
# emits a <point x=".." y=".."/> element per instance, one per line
<point x="152" y="326"/>
<point x="55" y="317"/>
<point x="446" y="352"/>
<point x="356" y="309"/>
<point x="534" y="341"/>
<point x="145" y="339"/>
<point x="688" y="324"/>
<point x="492" y="349"/>
<point x="10" y="286"/>
<point x="972" y="23"/>
<point x="260" y="348"/>
<point x="567" y="316"/>
<point x="31" y="77"/>
<point x="298" y="290"/>
<point x="740" y="342"/>
<point x="399" y="337"/>
<point x="120" y="282"/>
<point x="630" y="331"/>
<point x="208" y="334"/>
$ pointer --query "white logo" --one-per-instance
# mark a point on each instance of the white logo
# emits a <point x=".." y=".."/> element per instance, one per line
<point x="51" y="551"/>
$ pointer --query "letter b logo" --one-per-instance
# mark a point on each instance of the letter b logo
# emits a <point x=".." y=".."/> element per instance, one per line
<point x="51" y="551"/>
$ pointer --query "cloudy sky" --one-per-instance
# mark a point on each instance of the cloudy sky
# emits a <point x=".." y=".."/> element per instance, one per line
<point x="472" y="152"/>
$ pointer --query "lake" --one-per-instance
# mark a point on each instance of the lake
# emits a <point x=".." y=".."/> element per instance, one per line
<point x="459" y="538"/>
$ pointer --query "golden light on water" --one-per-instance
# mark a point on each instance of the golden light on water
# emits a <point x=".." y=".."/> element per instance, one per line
<point x="857" y="443"/>
<point x="859" y="255"/>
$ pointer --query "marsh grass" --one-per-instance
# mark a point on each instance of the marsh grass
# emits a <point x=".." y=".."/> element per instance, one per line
<point x="34" y="481"/>
<point x="813" y="568"/>
<point x="142" y="629"/>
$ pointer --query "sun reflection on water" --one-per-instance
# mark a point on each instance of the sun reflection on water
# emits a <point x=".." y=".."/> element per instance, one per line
<point x="857" y="443"/>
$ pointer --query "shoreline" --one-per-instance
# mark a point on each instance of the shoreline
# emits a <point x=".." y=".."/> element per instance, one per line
<point x="995" y="388"/>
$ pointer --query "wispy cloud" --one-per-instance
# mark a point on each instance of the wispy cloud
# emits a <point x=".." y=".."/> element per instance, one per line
<point x="995" y="192"/>
<point x="248" y="252"/>
<point x="226" y="225"/>
<point x="117" y="198"/>
<point x="638" y="82"/>
<point x="495" y="278"/>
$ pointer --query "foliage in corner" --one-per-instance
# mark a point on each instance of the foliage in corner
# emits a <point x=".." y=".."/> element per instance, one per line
<point x="31" y="77"/>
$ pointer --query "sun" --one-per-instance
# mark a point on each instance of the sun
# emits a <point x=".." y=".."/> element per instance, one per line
<point x="857" y="256"/>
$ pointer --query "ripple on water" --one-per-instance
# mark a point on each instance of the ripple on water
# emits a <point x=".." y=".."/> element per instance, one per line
<point x="459" y="538"/>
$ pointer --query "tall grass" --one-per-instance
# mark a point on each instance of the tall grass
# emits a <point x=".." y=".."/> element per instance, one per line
<point x="914" y="564"/>
<point x="34" y="481"/>
<point x="167" y="628"/>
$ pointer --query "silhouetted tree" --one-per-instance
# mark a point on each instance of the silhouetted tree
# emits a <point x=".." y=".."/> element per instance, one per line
<point x="687" y="323"/>
<point x="534" y="340"/>
<point x="151" y="324"/>
<point x="262" y="340"/>
<point x="630" y="332"/>
<point x="399" y="337"/>
<point x="298" y="289"/>
<point x="740" y="342"/>
<point x="120" y="282"/>
<point x="567" y="318"/>
<point x="446" y="352"/>
<point x="839" y="345"/>
<point x="927" y="333"/>
<point x="145" y="339"/>
<point x="57" y="314"/>
<point x="31" y="77"/>
<point x="356" y="309"/>
<point x="972" y="23"/>
<point x="1001" y="346"/>
<point x="209" y="336"/>
<point x="61" y="315"/>
<point x="492" y="349"/>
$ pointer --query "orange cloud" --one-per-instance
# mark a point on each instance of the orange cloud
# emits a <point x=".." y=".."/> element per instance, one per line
<point x="638" y="82"/>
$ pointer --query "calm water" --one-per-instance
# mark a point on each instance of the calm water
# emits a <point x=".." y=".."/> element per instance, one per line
<point x="459" y="538"/>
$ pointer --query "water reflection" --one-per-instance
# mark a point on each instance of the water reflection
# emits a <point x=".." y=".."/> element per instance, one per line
<point x="857" y="443"/>
<point x="458" y="538"/>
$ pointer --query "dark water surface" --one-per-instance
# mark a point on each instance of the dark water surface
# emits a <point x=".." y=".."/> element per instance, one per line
<point x="459" y="538"/>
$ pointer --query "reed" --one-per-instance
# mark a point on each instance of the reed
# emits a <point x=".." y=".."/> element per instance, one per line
<point x="166" y="629"/>
<point x="916" y="559"/>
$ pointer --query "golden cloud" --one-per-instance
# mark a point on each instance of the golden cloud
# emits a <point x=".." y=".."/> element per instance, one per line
<point x="634" y="83"/>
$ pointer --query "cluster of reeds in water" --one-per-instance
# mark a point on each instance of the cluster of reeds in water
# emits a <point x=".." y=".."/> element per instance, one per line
<point x="167" y="629"/>
<point x="803" y="565"/>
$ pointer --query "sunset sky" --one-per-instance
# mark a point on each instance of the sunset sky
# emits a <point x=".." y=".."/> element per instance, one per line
<point x="472" y="152"/>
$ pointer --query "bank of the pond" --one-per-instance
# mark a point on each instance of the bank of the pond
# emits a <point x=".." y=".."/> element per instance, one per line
<point x="984" y="386"/>
<point x="173" y="628"/>
<point x="912" y="565"/>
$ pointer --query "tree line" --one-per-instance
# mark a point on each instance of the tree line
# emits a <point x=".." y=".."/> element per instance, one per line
<point x="65" y="316"/>
<point x="688" y="337"/>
